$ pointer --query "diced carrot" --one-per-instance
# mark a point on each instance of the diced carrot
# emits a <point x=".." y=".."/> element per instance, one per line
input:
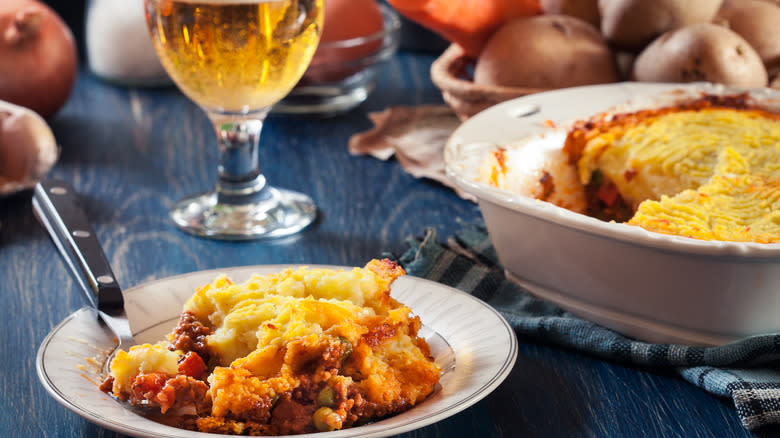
<point x="500" y="155"/>
<point x="146" y="386"/>
<point x="608" y="194"/>
<point x="468" y="23"/>
<point x="192" y="365"/>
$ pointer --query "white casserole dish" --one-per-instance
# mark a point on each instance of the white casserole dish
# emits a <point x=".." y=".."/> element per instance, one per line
<point x="650" y="286"/>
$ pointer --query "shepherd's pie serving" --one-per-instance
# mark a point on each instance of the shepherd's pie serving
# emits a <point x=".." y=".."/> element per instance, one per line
<point x="303" y="350"/>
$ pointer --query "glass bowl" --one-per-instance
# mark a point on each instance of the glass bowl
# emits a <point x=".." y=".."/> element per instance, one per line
<point x="343" y="73"/>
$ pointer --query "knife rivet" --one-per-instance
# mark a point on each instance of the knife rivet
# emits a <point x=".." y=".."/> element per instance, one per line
<point x="59" y="190"/>
<point x="105" y="279"/>
<point x="81" y="233"/>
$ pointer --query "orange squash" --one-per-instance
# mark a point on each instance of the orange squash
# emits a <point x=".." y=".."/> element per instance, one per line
<point x="468" y="23"/>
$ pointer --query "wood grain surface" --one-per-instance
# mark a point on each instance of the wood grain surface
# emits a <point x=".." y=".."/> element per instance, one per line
<point x="132" y="152"/>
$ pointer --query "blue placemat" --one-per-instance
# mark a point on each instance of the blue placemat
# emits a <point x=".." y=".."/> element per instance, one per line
<point x="741" y="370"/>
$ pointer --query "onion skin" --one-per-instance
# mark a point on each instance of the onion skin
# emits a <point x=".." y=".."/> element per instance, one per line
<point x="38" y="58"/>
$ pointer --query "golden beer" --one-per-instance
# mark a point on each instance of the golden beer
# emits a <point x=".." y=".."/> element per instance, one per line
<point x="235" y="56"/>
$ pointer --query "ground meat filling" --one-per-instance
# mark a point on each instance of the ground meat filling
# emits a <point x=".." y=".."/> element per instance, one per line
<point x="604" y="200"/>
<point x="321" y="403"/>
<point x="182" y="393"/>
<point x="190" y="335"/>
<point x="107" y="385"/>
<point x="185" y="391"/>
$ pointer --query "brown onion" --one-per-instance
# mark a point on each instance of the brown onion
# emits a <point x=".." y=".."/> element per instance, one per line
<point x="38" y="58"/>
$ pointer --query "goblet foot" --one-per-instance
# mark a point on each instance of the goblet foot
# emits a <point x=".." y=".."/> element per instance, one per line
<point x="277" y="213"/>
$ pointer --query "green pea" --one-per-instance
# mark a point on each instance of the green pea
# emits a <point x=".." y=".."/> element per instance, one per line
<point x="347" y="347"/>
<point x="596" y="178"/>
<point x="326" y="397"/>
<point x="320" y="419"/>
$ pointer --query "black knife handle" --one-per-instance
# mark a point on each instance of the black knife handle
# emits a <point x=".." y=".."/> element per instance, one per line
<point x="56" y="205"/>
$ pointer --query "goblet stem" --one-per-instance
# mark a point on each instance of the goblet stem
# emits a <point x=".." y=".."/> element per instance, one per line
<point x="243" y="206"/>
<point x="239" y="172"/>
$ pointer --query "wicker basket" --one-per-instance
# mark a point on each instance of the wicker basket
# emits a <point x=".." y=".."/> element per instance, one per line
<point x="450" y="74"/>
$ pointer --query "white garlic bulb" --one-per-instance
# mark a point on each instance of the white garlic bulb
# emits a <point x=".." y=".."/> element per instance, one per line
<point x="28" y="149"/>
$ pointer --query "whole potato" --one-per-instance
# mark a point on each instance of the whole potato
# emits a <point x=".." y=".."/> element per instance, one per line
<point x="758" y="22"/>
<point x="701" y="52"/>
<point x="632" y="24"/>
<point x="587" y="10"/>
<point x="545" y="51"/>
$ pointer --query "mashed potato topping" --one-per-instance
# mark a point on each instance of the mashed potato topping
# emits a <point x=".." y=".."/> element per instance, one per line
<point x="302" y="350"/>
<point x="664" y="154"/>
<point x="734" y="205"/>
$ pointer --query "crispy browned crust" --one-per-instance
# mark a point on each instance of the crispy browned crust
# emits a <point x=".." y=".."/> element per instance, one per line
<point x="584" y="130"/>
<point x="604" y="202"/>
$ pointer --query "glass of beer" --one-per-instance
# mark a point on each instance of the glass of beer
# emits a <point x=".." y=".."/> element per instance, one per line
<point x="236" y="59"/>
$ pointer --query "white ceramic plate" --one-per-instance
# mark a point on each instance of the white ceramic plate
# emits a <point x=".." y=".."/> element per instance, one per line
<point x="651" y="286"/>
<point x="475" y="347"/>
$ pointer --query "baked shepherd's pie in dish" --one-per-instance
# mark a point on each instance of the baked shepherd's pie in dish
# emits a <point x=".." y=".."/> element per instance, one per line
<point x="653" y="209"/>
<point x="303" y="350"/>
<point x="706" y="168"/>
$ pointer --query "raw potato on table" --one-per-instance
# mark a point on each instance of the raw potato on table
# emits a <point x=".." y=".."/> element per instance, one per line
<point x="587" y="10"/>
<point x="701" y="52"/>
<point x="632" y="24"/>
<point x="546" y="51"/>
<point x="758" y="22"/>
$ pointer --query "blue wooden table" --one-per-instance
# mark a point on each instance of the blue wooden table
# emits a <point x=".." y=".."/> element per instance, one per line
<point x="132" y="152"/>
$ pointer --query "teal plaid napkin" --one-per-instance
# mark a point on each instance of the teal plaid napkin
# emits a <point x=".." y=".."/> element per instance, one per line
<point x="741" y="370"/>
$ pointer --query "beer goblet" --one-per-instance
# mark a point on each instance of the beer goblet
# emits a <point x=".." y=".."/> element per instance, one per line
<point x="236" y="59"/>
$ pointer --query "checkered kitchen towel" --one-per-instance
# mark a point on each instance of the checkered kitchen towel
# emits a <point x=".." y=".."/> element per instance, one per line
<point x="746" y="371"/>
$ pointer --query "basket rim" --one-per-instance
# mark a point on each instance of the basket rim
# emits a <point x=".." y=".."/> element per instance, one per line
<point x="446" y="73"/>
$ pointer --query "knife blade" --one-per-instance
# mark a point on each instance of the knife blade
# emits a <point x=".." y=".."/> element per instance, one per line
<point x="57" y="207"/>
